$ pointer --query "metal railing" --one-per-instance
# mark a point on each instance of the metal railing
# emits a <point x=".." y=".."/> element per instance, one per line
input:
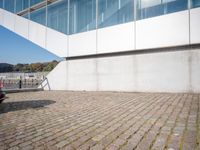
<point x="20" y="83"/>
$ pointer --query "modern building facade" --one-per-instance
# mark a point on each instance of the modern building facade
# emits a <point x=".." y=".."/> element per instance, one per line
<point x="113" y="45"/>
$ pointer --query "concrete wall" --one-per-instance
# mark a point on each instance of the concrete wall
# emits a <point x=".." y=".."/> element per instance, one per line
<point x="172" y="71"/>
<point x="163" y="31"/>
<point x="57" y="78"/>
<point x="195" y="26"/>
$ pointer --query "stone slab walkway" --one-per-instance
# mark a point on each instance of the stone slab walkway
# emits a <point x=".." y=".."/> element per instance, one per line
<point x="100" y="120"/>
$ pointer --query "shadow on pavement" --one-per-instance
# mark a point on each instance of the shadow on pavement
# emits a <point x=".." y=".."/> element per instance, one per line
<point x="22" y="105"/>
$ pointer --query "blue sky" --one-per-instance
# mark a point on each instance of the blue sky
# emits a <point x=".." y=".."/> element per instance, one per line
<point x="15" y="49"/>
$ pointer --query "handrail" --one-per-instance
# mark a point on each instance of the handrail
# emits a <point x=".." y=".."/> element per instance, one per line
<point x="35" y="7"/>
<point x="47" y="83"/>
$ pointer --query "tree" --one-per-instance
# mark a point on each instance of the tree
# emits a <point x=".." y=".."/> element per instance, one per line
<point x="34" y="67"/>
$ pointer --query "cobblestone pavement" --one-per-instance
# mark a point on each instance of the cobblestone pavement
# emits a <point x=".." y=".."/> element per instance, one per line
<point x="100" y="120"/>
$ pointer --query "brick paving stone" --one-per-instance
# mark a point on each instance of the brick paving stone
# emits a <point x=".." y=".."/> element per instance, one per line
<point x="14" y="148"/>
<point x="146" y="142"/>
<point x="62" y="143"/>
<point x="29" y="147"/>
<point x="160" y="141"/>
<point x="25" y="143"/>
<point x="99" y="120"/>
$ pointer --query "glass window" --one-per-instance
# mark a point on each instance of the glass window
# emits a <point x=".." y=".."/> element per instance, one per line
<point x="112" y="12"/>
<point x="39" y="16"/>
<point x="171" y="6"/>
<point x="9" y="5"/>
<point x="1" y="3"/>
<point x="33" y="2"/>
<point x="26" y="16"/>
<point x="151" y="8"/>
<point x="82" y="16"/>
<point x="195" y="3"/>
<point x="21" y="5"/>
<point x="57" y="17"/>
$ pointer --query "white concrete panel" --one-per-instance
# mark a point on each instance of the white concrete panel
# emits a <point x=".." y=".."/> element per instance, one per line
<point x="8" y="20"/>
<point x="163" y="72"/>
<point x="1" y="16"/>
<point x="82" y="43"/>
<point x="116" y="74"/>
<point x="163" y="31"/>
<point x="37" y="34"/>
<point x="195" y="70"/>
<point x="176" y="71"/>
<point x="116" y="38"/>
<point x="57" y="78"/>
<point x="21" y="26"/>
<point x="57" y="43"/>
<point x="195" y="25"/>
<point x="82" y="75"/>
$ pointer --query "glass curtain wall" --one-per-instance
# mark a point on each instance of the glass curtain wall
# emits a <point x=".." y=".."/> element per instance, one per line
<point x="21" y="5"/>
<point x="9" y="5"/>
<point x="82" y="16"/>
<point x="195" y="3"/>
<point x="152" y="8"/>
<point x="26" y="16"/>
<point x="33" y="2"/>
<point x="39" y="16"/>
<point x="57" y="17"/>
<point x="112" y="12"/>
<point x="1" y="3"/>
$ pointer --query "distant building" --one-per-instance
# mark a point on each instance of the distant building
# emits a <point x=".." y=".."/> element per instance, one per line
<point x="113" y="45"/>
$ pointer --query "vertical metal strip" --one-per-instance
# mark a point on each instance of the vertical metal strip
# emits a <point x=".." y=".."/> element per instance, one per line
<point x="135" y="20"/>
<point x="97" y="8"/>
<point x="29" y="5"/>
<point x="15" y="6"/>
<point x="68" y="27"/>
<point x="46" y="12"/>
<point x="68" y="11"/>
<point x="3" y="14"/>
<point x="189" y="7"/>
<point x="46" y="24"/>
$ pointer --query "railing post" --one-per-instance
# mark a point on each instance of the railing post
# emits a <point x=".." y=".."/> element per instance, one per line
<point x="20" y="82"/>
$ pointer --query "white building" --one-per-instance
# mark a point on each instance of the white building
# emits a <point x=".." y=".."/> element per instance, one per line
<point x="113" y="45"/>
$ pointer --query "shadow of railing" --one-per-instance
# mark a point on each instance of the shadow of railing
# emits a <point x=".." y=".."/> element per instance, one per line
<point x="23" y="105"/>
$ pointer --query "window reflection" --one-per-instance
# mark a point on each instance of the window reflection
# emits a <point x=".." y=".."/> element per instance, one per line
<point x="39" y="16"/>
<point x="112" y="12"/>
<point x="195" y="3"/>
<point x="82" y="16"/>
<point x="152" y="8"/>
<point x="33" y="2"/>
<point x="26" y="16"/>
<point x="1" y="3"/>
<point x="57" y="16"/>
<point x="9" y="5"/>
<point x="21" y="5"/>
